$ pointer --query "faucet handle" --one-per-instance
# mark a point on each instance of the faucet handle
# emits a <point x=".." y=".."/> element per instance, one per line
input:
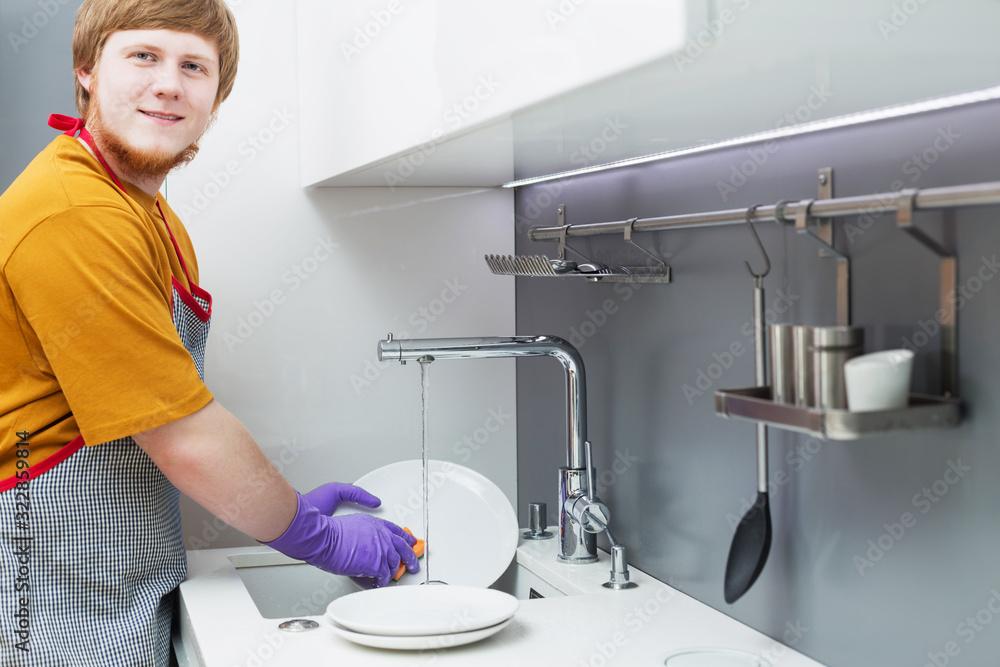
<point x="537" y="523"/>
<point x="591" y="473"/>
<point x="588" y="510"/>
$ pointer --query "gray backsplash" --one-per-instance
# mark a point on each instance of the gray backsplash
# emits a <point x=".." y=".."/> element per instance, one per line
<point x="36" y="78"/>
<point x="885" y="549"/>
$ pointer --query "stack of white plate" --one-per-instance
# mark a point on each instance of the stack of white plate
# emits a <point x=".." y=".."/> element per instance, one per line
<point x="428" y="617"/>
<point x="473" y="538"/>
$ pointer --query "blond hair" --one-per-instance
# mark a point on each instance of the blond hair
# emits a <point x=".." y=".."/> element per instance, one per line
<point x="210" y="19"/>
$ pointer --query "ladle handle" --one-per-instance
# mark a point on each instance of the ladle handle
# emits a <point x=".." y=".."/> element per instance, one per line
<point x="760" y="376"/>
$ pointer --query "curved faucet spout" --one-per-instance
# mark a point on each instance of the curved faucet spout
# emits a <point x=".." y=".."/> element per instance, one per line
<point x="515" y="346"/>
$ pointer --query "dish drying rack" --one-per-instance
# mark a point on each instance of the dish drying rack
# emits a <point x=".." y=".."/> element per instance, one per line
<point x="542" y="266"/>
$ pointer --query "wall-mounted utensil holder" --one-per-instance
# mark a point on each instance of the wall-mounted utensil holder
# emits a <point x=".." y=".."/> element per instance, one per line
<point x="815" y="219"/>
<point x="755" y="404"/>
<point x="542" y="266"/>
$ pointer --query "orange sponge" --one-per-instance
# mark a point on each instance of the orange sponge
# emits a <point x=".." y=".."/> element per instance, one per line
<point x="418" y="549"/>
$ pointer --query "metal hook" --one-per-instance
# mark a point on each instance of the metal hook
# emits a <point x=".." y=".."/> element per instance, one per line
<point x="779" y="210"/>
<point x="629" y="229"/>
<point x="767" y="260"/>
<point x="563" y="233"/>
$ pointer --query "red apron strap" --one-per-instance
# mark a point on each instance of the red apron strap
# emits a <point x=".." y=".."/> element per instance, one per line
<point x="86" y="136"/>
<point x="73" y="125"/>
<point x="68" y="123"/>
<point x="177" y="248"/>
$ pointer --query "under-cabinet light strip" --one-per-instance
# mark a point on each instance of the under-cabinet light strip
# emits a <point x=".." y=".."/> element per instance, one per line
<point x="859" y="118"/>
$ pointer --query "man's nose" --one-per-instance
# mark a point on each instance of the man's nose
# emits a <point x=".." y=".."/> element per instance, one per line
<point x="167" y="81"/>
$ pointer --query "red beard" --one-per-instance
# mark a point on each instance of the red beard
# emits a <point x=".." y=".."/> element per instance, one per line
<point x="135" y="162"/>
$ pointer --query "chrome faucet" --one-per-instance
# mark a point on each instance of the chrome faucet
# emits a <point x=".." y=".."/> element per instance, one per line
<point x="581" y="514"/>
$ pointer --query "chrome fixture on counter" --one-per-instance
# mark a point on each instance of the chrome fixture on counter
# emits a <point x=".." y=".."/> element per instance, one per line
<point x="538" y="523"/>
<point x="577" y="497"/>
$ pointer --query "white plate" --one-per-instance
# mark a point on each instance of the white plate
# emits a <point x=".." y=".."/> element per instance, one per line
<point x="421" y="610"/>
<point x="420" y="642"/>
<point x="474" y="530"/>
<point x="715" y="657"/>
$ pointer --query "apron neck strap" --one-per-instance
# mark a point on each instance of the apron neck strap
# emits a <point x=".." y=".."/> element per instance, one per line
<point x="71" y="126"/>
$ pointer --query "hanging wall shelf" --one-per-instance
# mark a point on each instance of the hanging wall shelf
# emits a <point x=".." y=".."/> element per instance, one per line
<point x="814" y="219"/>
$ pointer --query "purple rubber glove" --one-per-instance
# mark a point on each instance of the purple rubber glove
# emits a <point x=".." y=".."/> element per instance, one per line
<point x="327" y="498"/>
<point x="358" y="545"/>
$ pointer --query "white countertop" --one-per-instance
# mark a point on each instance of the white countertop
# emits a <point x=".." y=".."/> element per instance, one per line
<point x="591" y="626"/>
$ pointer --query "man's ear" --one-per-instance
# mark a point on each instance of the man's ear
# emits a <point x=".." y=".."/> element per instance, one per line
<point x="85" y="77"/>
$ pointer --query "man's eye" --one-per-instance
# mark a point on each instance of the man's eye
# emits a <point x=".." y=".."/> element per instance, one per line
<point x="145" y="56"/>
<point x="195" y="67"/>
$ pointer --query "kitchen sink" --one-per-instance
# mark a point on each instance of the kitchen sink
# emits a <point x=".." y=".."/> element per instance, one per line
<point x="281" y="587"/>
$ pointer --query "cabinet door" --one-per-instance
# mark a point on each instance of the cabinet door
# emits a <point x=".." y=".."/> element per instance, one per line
<point x="380" y="79"/>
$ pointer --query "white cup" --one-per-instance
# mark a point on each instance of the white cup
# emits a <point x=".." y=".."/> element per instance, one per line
<point x="878" y="381"/>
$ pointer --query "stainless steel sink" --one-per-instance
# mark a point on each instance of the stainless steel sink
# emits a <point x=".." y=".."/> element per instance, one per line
<point x="281" y="587"/>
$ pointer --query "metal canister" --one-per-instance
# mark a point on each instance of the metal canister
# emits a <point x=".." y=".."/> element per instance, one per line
<point x="782" y="363"/>
<point x="802" y="364"/>
<point x="831" y="348"/>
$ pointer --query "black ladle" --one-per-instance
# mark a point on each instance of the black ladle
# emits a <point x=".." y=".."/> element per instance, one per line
<point x="752" y="541"/>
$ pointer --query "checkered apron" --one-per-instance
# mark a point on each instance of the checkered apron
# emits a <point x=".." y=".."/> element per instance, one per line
<point x="106" y="554"/>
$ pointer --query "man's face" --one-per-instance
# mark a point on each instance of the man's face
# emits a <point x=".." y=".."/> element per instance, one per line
<point x="155" y="90"/>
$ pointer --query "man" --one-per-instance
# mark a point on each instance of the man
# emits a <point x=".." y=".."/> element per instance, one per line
<point x="104" y="414"/>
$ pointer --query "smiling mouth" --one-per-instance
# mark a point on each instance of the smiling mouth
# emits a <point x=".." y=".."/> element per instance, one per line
<point x="162" y="116"/>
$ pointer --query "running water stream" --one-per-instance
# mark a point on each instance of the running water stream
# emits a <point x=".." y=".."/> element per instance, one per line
<point x="424" y="388"/>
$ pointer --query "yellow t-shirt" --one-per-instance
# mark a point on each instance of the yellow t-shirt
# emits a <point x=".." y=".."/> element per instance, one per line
<point x="85" y="320"/>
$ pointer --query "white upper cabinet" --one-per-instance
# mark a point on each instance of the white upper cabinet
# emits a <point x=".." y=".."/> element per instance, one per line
<point x="422" y="92"/>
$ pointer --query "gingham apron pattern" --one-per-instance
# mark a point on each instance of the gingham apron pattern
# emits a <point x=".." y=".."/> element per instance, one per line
<point x="106" y="548"/>
<point x="191" y="328"/>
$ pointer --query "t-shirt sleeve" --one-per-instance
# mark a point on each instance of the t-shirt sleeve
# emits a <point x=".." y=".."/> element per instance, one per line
<point x="90" y="285"/>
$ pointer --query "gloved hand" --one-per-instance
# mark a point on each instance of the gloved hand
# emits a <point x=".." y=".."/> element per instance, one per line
<point x="358" y="545"/>
<point x="327" y="498"/>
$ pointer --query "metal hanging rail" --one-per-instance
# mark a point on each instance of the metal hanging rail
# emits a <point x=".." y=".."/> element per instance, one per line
<point x="812" y="218"/>
<point x="957" y="196"/>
